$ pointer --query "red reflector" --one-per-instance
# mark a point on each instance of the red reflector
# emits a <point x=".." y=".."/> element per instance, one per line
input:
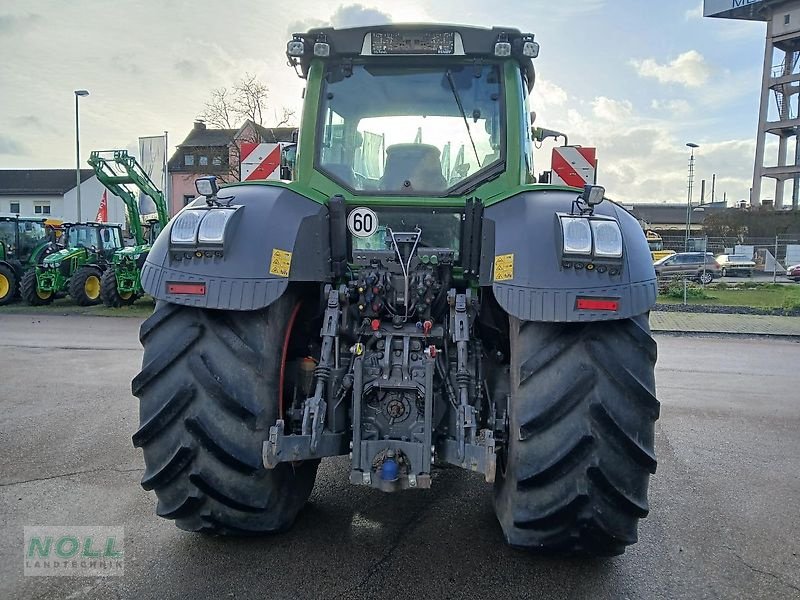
<point x="596" y="304"/>
<point x="196" y="289"/>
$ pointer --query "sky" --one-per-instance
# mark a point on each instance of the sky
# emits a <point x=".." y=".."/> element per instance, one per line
<point x="638" y="79"/>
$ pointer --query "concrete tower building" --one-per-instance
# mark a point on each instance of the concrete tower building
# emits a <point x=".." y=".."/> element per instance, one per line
<point x="780" y="90"/>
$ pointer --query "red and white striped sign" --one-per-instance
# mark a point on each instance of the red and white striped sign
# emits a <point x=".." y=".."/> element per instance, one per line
<point x="575" y="166"/>
<point x="260" y="161"/>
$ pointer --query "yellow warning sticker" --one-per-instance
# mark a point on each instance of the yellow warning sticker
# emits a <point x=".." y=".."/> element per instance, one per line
<point x="504" y="267"/>
<point x="281" y="263"/>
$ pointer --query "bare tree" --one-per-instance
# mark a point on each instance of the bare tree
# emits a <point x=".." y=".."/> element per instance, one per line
<point x="250" y="98"/>
<point x="247" y="100"/>
<point x="218" y="111"/>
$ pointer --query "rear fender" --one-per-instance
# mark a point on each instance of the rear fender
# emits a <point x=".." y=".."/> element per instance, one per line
<point x="280" y="236"/>
<point x="537" y="287"/>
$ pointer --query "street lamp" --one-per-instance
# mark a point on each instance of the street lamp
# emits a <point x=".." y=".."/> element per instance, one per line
<point x="689" y="198"/>
<point x="78" y="94"/>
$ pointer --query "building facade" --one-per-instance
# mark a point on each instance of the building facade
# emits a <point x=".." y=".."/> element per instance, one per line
<point x="52" y="194"/>
<point x="207" y="151"/>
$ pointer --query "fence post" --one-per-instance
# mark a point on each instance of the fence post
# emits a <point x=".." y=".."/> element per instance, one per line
<point x="775" y="262"/>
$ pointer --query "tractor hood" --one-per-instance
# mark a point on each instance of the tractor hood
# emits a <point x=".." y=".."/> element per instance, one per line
<point x="131" y="252"/>
<point x="57" y="258"/>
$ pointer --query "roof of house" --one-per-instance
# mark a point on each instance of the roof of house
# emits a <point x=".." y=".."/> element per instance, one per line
<point x="202" y="137"/>
<point x="34" y="182"/>
<point x="276" y="134"/>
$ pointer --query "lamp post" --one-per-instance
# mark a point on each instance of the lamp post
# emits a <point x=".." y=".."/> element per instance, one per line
<point x="689" y="197"/>
<point x="78" y="94"/>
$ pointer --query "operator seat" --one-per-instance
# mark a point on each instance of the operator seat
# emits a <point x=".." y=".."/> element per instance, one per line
<point x="413" y="167"/>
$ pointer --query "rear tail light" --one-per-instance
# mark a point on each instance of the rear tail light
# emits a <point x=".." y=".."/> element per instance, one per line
<point x="606" y="304"/>
<point x="192" y="289"/>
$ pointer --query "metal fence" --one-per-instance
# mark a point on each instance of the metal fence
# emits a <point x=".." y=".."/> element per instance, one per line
<point x="771" y="255"/>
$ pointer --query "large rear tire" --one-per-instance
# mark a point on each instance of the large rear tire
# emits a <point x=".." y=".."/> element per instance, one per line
<point x="208" y="392"/>
<point x="84" y="286"/>
<point x="30" y="292"/>
<point x="8" y="285"/>
<point x="110" y="293"/>
<point x="580" y="449"/>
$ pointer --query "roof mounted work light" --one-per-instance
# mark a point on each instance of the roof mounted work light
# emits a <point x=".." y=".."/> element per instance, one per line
<point x="296" y="47"/>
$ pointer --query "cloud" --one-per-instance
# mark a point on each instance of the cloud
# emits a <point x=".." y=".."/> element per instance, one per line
<point x="356" y="15"/>
<point x="11" y="147"/>
<point x="10" y="24"/>
<point x="210" y="62"/>
<point x="676" y="108"/>
<point x="564" y="10"/>
<point x="613" y="111"/>
<point x="31" y="122"/>
<point x="695" y="13"/>
<point x="642" y="158"/>
<point x="689" y="69"/>
<point x="189" y="69"/>
<point x="123" y="64"/>
<point x="351" y="15"/>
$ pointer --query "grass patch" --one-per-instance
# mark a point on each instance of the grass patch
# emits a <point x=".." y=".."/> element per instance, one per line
<point x="65" y="306"/>
<point x="754" y="295"/>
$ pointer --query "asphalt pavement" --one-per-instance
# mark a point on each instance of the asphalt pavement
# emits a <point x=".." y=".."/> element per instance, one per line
<point x="724" y="523"/>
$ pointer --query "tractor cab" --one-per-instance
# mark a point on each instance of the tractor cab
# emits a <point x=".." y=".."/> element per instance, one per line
<point x="21" y="237"/>
<point x="464" y="128"/>
<point x="102" y="238"/>
<point x="22" y="243"/>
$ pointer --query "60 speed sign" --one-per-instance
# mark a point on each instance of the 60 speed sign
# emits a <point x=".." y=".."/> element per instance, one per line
<point x="362" y="222"/>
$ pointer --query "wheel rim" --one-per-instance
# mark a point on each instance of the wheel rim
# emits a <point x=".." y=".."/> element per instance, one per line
<point x="92" y="287"/>
<point x="5" y="286"/>
<point x="43" y="294"/>
<point x="125" y="295"/>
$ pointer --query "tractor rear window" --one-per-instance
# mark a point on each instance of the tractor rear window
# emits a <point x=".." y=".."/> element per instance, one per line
<point x="420" y="131"/>
<point x="440" y="228"/>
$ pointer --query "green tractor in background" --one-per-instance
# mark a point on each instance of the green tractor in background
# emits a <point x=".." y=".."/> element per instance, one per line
<point x="116" y="169"/>
<point x="77" y="268"/>
<point x="23" y="243"/>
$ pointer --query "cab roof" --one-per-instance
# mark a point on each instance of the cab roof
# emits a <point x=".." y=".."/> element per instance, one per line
<point x="470" y="42"/>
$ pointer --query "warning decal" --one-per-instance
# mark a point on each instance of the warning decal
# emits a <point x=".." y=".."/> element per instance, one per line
<point x="281" y="263"/>
<point x="504" y="267"/>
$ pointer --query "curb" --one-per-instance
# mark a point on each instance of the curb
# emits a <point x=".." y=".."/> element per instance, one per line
<point x="737" y="334"/>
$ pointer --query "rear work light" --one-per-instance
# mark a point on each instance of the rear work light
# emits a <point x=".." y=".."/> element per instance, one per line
<point x="606" y="304"/>
<point x="188" y="288"/>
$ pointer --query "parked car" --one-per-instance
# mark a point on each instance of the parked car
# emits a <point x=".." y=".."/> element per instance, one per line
<point x="736" y="264"/>
<point x="793" y="273"/>
<point x="699" y="266"/>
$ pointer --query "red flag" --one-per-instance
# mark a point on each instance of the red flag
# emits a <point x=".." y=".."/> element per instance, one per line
<point x="102" y="211"/>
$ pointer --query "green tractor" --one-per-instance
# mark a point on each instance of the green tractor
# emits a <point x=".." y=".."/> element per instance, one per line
<point x="77" y="268"/>
<point x="23" y="243"/>
<point x="386" y="307"/>
<point x="116" y="170"/>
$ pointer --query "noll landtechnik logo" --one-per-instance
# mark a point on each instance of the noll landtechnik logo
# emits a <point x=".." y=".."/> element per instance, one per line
<point x="74" y="551"/>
